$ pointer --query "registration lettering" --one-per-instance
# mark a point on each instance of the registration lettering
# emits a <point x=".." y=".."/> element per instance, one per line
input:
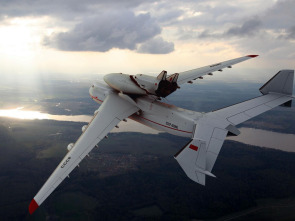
<point x="65" y="162"/>
<point x="172" y="125"/>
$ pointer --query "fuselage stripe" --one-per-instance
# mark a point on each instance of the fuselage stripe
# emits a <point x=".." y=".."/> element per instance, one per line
<point x="165" y="125"/>
<point x="95" y="98"/>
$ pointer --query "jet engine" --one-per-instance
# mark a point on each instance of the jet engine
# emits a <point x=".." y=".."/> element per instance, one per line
<point x="142" y="84"/>
<point x="84" y="128"/>
<point x="70" y="146"/>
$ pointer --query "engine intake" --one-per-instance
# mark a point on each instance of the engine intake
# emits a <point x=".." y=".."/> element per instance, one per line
<point x="84" y="128"/>
<point x="70" y="146"/>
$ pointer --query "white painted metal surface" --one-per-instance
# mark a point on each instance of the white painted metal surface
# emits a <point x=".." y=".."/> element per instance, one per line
<point x="199" y="72"/>
<point x="111" y="112"/>
<point x="211" y="128"/>
<point x="207" y="131"/>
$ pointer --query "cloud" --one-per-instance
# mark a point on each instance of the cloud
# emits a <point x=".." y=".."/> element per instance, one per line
<point x="280" y="16"/>
<point x="66" y="9"/>
<point x="290" y="34"/>
<point x="275" y="20"/>
<point x="248" y="28"/>
<point x="112" y="29"/>
<point x="99" y="25"/>
<point x="156" y="46"/>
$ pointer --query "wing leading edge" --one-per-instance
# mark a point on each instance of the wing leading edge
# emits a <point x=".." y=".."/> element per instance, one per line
<point x="211" y="130"/>
<point x="188" y="76"/>
<point x="110" y="113"/>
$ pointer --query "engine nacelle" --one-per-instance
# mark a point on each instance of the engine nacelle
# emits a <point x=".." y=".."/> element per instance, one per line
<point x="141" y="84"/>
<point x="70" y="146"/>
<point x="84" y="128"/>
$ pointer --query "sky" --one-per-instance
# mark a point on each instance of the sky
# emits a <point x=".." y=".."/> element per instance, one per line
<point x="135" y="36"/>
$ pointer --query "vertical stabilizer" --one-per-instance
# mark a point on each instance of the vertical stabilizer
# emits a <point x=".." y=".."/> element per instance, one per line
<point x="192" y="159"/>
<point x="281" y="83"/>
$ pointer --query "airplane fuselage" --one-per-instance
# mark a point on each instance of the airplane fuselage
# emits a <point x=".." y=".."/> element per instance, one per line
<point x="153" y="113"/>
<point x="138" y="97"/>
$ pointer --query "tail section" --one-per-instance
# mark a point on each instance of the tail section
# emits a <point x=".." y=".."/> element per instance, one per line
<point x="281" y="83"/>
<point x="192" y="159"/>
<point x="198" y="157"/>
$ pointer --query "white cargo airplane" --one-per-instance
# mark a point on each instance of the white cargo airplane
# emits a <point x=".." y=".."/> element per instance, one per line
<point x="138" y="97"/>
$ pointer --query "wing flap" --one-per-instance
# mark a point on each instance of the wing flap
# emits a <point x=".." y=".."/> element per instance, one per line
<point x="257" y="110"/>
<point x="241" y="112"/>
<point x="111" y="112"/>
<point x="280" y="100"/>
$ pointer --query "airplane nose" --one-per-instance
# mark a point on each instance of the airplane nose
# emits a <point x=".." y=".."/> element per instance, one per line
<point x="115" y="80"/>
<point x="110" y="79"/>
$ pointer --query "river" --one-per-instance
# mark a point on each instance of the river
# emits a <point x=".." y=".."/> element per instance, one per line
<point x="251" y="136"/>
<point x="20" y="113"/>
<point x="265" y="138"/>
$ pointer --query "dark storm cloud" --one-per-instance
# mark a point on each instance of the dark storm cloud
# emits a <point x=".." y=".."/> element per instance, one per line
<point x="156" y="46"/>
<point x="115" y="29"/>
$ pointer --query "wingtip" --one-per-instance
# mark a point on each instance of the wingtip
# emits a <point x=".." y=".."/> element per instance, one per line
<point x="252" y="56"/>
<point x="33" y="206"/>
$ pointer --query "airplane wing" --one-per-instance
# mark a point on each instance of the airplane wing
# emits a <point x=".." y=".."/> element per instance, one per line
<point x="277" y="91"/>
<point x="188" y="76"/>
<point x="110" y="113"/>
<point x="198" y="157"/>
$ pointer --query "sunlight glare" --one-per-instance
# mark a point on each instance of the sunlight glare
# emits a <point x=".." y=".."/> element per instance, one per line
<point x="22" y="114"/>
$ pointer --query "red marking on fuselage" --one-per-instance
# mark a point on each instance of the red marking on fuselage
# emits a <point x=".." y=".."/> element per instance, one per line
<point x="193" y="147"/>
<point x="165" y="125"/>
<point x="95" y="98"/>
